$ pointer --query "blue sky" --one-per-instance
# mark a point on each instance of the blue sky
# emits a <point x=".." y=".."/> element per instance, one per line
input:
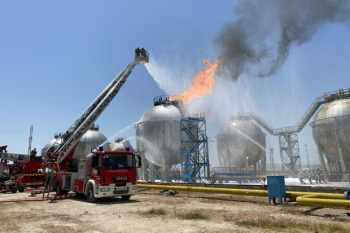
<point x="56" y="57"/>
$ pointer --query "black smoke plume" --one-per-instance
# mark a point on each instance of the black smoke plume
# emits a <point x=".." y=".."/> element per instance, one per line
<point x="258" y="41"/>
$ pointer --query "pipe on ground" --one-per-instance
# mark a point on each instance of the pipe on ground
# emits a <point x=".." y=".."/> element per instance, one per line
<point x="324" y="199"/>
<point x="293" y="195"/>
<point x="302" y="198"/>
<point x="246" y="192"/>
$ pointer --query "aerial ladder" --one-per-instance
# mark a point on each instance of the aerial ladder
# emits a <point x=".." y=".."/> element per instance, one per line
<point x="59" y="156"/>
<point x="22" y="163"/>
<point x="26" y="168"/>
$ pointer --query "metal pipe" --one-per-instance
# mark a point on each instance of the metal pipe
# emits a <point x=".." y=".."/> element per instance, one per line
<point x="303" y="198"/>
<point x="249" y="192"/>
<point x="325" y="196"/>
<point x="323" y="201"/>
<point x="293" y="195"/>
<point x="246" y="192"/>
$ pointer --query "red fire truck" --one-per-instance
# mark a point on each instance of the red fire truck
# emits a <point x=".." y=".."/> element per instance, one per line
<point x="29" y="173"/>
<point x="101" y="173"/>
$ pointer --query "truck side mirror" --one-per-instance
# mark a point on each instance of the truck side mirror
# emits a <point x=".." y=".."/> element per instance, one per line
<point x="93" y="149"/>
<point x="138" y="161"/>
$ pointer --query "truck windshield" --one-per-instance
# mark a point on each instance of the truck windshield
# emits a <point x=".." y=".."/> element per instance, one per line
<point x="113" y="161"/>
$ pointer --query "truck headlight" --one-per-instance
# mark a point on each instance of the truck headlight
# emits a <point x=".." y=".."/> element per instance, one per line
<point x="105" y="189"/>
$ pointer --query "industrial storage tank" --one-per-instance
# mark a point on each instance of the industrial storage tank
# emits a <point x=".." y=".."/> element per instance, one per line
<point x="238" y="139"/>
<point x="331" y="130"/>
<point x="158" y="134"/>
<point x="121" y="144"/>
<point x="49" y="144"/>
<point x="92" y="138"/>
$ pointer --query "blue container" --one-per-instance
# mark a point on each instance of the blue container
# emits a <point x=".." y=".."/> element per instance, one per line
<point x="276" y="188"/>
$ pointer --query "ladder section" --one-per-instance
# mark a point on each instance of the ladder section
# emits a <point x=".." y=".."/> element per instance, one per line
<point x="14" y="157"/>
<point x="258" y="120"/>
<point x="79" y="127"/>
<point x="326" y="98"/>
<point x="309" y="113"/>
<point x="57" y="153"/>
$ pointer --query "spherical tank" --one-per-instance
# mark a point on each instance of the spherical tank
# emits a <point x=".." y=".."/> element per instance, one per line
<point x="47" y="145"/>
<point x="239" y="139"/>
<point x="121" y="144"/>
<point x="331" y="129"/>
<point x="158" y="134"/>
<point x="92" y="138"/>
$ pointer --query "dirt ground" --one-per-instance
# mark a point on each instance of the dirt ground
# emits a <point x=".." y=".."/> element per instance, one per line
<point x="151" y="211"/>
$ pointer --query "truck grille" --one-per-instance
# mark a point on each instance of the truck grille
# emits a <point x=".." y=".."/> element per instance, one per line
<point x="121" y="179"/>
<point x="116" y="191"/>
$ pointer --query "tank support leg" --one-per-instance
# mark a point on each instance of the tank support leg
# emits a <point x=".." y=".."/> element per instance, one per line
<point x="341" y="157"/>
<point x="150" y="171"/>
<point x="143" y="163"/>
<point x="323" y="164"/>
<point x="163" y="167"/>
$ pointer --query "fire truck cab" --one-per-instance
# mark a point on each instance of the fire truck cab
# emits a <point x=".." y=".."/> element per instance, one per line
<point x="102" y="174"/>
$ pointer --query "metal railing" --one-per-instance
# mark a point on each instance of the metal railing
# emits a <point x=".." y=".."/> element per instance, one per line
<point x="326" y="98"/>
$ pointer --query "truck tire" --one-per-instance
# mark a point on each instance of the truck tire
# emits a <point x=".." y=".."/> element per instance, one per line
<point x="21" y="189"/>
<point x="59" y="191"/>
<point x="125" y="198"/>
<point x="90" y="194"/>
<point x="16" y="169"/>
<point x="14" y="189"/>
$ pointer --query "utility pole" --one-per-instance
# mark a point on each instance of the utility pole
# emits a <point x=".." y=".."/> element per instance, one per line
<point x="307" y="156"/>
<point x="30" y="139"/>
<point x="272" y="159"/>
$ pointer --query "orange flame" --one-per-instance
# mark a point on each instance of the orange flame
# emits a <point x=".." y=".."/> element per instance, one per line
<point x="202" y="84"/>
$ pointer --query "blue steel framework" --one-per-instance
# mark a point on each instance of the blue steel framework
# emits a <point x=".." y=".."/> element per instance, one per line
<point x="194" y="150"/>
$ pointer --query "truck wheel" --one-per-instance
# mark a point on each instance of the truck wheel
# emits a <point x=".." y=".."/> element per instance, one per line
<point x="58" y="188"/>
<point x="90" y="194"/>
<point x="59" y="191"/>
<point x="126" y="197"/>
<point x="14" y="189"/>
<point x="16" y="169"/>
<point x="21" y="189"/>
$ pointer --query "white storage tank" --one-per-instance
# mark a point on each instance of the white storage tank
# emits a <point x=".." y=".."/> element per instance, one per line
<point x="240" y="143"/>
<point x="92" y="138"/>
<point x="158" y="134"/>
<point x="331" y="130"/>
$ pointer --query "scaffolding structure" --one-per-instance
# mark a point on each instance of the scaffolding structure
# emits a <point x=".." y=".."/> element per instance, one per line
<point x="289" y="150"/>
<point x="194" y="149"/>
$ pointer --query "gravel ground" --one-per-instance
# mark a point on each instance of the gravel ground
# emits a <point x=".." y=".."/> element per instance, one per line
<point x="151" y="211"/>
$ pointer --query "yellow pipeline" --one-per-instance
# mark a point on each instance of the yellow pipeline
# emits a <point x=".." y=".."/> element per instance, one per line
<point x="323" y="200"/>
<point x="303" y="198"/>
<point x="247" y="192"/>
<point x="293" y="195"/>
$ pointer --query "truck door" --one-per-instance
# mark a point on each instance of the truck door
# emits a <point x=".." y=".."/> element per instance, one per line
<point x="96" y="168"/>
